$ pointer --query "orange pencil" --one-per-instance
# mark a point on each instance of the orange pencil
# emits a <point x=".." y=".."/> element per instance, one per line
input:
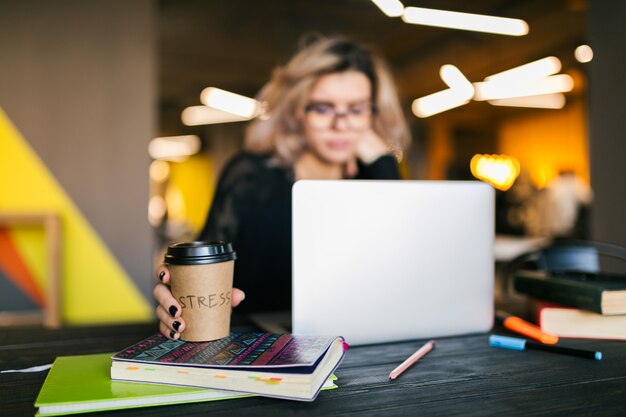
<point x="527" y="329"/>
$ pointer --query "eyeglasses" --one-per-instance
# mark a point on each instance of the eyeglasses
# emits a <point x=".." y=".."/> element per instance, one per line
<point x="322" y="116"/>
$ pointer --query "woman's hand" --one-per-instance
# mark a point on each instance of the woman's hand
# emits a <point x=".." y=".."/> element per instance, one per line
<point x="370" y="147"/>
<point x="169" y="311"/>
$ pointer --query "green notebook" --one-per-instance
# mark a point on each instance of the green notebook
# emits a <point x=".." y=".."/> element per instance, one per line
<point x="81" y="384"/>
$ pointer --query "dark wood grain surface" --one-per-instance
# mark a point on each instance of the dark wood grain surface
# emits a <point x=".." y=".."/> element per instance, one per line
<point x="461" y="376"/>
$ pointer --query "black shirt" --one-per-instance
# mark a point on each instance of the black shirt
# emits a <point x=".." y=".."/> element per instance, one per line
<point x="252" y="210"/>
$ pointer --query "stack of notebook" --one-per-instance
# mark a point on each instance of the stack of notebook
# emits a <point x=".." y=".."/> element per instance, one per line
<point x="577" y="304"/>
<point x="158" y="371"/>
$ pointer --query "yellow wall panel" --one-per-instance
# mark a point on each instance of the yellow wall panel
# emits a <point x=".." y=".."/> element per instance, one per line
<point x="193" y="180"/>
<point x="95" y="288"/>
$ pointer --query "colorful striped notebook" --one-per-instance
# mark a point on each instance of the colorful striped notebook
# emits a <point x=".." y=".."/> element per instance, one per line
<point x="269" y="364"/>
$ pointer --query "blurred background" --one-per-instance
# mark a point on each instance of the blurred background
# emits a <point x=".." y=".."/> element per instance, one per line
<point x="97" y="124"/>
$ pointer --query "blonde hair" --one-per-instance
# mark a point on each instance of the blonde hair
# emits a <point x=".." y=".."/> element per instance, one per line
<point x="281" y="133"/>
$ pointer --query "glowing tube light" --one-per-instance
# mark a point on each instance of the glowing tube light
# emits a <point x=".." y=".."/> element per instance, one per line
<point x="174" y="148"/>
<point x="491" y="90"/>
<point x="465" y="21"/>
<point x="544" y="101"/>
<point x="454" y="78"/>
<point x="230" y="102"/>
<point x="541" y="68"/>
<point x="460" y="92"/>
<point x="203" y="115"/>
<point x="439" y="102"/>
<point x="392" y="8"/>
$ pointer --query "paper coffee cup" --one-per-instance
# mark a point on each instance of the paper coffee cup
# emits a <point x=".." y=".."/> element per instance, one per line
<point x="201" y="280"/>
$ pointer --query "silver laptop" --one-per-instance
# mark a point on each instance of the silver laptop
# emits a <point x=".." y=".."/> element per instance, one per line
<point x="382" y="261"/>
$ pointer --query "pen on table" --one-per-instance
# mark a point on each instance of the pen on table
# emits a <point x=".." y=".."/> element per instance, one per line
<point x="419" y="353"/>
<point x="523" y="344"/>
<point x="520" y="326"/>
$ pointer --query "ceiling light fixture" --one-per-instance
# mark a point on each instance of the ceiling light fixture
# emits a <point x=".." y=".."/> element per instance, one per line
<point x="543" y="101"/>
<point x="529" y="85"/>
<point x="460" y="92"/>
<point x="465" y="21"/>
<point x="492" y="90"/>
<point x="230" y="102"/>
<point x="392" y="8"/>
<point x="204" y="115"/>
<point x="583" y="54"/>
<point x="439" y="102"/>
<point x="174" y="148"/>
<point x="455" y="79"/>
<point x="532" y="71"/>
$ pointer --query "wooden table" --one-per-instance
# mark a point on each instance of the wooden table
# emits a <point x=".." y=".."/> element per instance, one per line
<point x="461" y="376"/>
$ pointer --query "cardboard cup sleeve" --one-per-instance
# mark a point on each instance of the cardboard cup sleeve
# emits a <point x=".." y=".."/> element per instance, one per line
<point x="204" y="293"/>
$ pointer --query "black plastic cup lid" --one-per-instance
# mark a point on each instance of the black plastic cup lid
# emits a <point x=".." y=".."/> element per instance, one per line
<point x="197" y="253"/>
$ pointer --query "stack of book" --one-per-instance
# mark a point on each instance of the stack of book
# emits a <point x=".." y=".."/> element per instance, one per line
<point x="577" y="304"/>
<point x="159" y="371"/>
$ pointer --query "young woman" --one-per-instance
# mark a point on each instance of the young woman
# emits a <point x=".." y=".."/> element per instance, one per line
<point x="331" y="113"/>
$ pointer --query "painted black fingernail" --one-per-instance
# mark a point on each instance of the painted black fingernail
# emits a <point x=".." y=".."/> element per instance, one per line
<point x="172" y="333"/>
<point x="176" y="325"/>
<point x="173" y="310"/>
<point x="161" y="275"/>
